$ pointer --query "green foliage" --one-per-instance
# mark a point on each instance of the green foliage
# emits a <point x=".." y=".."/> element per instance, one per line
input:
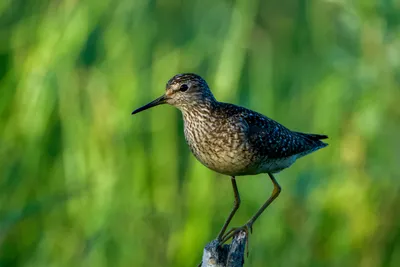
<point x="83" y="183"/>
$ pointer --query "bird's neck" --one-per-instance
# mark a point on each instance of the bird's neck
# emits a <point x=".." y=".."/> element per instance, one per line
<point x="199" y="110"/>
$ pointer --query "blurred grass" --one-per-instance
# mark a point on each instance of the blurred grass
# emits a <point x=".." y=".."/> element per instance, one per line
<point x="82" y="183"/>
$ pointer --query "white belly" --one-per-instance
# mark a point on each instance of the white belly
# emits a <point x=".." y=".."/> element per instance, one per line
<point x="274" y="166"/>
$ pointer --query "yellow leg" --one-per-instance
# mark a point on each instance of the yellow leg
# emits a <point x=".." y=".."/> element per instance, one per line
<point x="249" y="225"/>
<point x="236" y="205"/>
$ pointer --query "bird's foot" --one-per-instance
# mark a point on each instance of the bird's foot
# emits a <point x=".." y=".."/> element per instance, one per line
<point x="247" y="228"/>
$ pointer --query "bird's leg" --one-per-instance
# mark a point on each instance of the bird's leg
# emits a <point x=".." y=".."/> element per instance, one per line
<point x="248" y="226"/>
<point x="236" y="205"/>
<point x="274" y="195"/>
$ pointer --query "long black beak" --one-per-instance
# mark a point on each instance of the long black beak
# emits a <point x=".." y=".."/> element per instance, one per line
<point x="161" y="100"/>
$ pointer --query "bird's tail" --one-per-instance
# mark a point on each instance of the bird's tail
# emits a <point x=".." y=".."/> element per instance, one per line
<point x="314" y="137"/>
<point x="314" y="140"/>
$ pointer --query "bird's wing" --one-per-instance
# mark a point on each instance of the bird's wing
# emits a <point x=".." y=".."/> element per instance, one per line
<point x="268" y="137"/>
<point x="275" y="140"/>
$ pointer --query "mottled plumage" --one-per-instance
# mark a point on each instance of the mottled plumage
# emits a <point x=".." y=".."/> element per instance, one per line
<point x="234" y="140"/>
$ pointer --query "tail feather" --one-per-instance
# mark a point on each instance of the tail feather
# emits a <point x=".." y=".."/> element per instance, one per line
<point x="314" y="142"/>
<point x="316" y="136"/>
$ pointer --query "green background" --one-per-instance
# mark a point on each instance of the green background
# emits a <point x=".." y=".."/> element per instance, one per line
<point x="84" y="183"/>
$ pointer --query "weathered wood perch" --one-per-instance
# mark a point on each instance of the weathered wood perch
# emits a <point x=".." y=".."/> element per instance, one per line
<point x="228" y="255"/>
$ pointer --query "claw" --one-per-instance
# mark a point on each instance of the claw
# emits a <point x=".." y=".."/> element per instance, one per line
<point x="248" y="227"/>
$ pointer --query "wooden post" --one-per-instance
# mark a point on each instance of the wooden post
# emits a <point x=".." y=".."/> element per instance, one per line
<point x="229" y="255"/>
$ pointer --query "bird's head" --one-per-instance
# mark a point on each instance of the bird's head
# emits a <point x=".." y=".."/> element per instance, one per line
<point x="183" y="91"/>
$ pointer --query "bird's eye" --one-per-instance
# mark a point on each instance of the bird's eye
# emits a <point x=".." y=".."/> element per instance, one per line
<point x="183" y="87"/>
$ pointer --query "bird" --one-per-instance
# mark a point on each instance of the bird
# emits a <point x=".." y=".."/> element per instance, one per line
<point x="233" y="140"/>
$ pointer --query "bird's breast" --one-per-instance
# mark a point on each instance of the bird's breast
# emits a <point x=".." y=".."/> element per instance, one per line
<point x="217" y="147"/>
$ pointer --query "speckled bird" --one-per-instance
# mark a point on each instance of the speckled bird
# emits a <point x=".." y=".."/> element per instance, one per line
<point x="234" y="140"/>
